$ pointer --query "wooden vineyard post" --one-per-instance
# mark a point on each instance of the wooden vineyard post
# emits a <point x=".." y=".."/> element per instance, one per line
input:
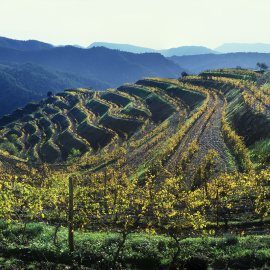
<point x="70" y="217"/>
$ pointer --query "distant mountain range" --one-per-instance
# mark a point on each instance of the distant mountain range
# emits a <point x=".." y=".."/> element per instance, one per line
<point x="29" y="69"/>
<point x="243" y="47"/>
<point x="57" y="68"/>
<point x="183" y="50"/>
<point x="199" y="63"/>
<point x="110" y="66"/>
<point x="28" y="45"/>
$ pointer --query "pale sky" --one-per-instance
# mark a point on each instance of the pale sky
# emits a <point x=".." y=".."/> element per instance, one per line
<point x="157" y="24"/>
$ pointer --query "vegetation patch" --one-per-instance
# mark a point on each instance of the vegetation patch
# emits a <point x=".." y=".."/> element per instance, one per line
<point x="228" y="75"/>
<point x="72" y="99"/>
<point x="29" y="128"/>
<point x="44" y="123"/>
<point x="135" y="91"/>
<point x="115" y="98"/>
<point x="32" y="107"/>
<point x="97" y="107"/>
<point x="49" y="153"/>
<point x="27" y="118"/>
<point x="62" y="105"/>
<point x="32" y="141"/>
<point x="159" y="108"/>
<point x="135" y="112"/>
<point x="96" y="136"/>
<point x="120" y="125"/>
<point x="66" y="141"/>
<point x="49" y="110"/>
<point x="10" y="148"/>
<point x="61" y="120"/>
<point x="78" y="114"/>
<point x="13" y="132"/>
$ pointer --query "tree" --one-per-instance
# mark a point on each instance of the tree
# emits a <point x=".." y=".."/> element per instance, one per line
<point x="74" y="154"/>
<point x="49" y="93"/>
<point x="262" y="66"/>
<point x="184" y="74"/>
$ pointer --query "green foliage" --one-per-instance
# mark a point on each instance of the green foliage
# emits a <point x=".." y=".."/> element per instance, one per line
<point x="10" y="148"/>
<point x="73" y="155"/>
<point x="262" y="66"/>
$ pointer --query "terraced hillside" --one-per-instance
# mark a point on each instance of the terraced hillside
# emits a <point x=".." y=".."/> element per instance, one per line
<point x="165" y="123"/>
<point x="177" y="157"/>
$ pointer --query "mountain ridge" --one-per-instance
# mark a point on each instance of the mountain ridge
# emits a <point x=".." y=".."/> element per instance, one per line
<point x="199" y="63"/>
<point x="179" y="51"/>
<point x="111" y="66"/>
<point x="243" y="47"/>
<point x="24" y="45"/>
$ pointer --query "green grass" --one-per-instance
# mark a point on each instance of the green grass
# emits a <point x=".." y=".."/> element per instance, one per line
<point x="61" y="120"/>
<point x="32" y="141"/>
<point x="78" y="114"/>
<point x="66" y="141"/>
<point x="191" y="98"/>
<point x="29" y="128"/>
<point x="49" y="153"/>
<point x="97" y="107"/>
<point x="134" y="112"/>
<point x="260" y="153"/>
<point x="96" y="136"/>
<point x="159" y="108"/>
<point x="120" y="125"/>
<point x="115" y="98"/>
<point x="13" y="131"/>
<point x="62" y="105"/>
<point x="49" y="110"/>
<point x="48" y="133"/>
<point x="44" y="123"/>
<point x="37" y="243"/>
<point x="135" y="91"/>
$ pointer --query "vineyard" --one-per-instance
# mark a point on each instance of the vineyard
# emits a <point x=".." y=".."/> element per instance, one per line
<point x="171" y="160"/>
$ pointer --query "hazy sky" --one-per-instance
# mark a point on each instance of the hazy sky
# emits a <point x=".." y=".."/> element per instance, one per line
<point x="158" y="24"/>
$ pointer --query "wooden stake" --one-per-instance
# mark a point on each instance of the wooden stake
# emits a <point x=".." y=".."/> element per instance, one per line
<point x="70" y="217"/>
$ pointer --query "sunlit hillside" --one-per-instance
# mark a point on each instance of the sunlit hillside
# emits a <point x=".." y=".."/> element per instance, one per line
<point x="173" y="158"/>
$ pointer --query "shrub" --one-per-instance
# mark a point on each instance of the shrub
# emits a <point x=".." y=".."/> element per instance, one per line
<point x="9" y="147"/>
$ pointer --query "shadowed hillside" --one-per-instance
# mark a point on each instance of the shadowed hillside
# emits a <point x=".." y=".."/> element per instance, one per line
<point x="111" y="66"/>
<point x="20" y="84"/>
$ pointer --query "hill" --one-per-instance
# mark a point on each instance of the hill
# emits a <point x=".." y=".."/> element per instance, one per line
<point x="20" y="84"/>
<point x="24" y="45"/>
<point x="110" y="66"/>
<point x="243" y="47"/>
<point x="121" y="47"/>
<point x="199" y="63"/>
<point x="183" y="50"/>
<point x="153" y="173"/>
<point x="187" y="50"/>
